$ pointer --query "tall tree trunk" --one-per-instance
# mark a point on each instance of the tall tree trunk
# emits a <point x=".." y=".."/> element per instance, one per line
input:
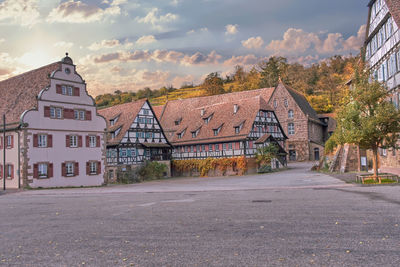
<point x="375" y="162"/>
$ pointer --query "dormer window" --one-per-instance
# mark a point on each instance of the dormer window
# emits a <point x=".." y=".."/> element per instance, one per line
<point x="239" y="127"/>
<point x="181" y="134"/>
<point x="115" y="133"/>
<point x="235" y="108"/>
<point x="237" y="130"/>
<point x="178" y="121"/>
<point x="207" y="120"/>
<point x="217" y="130"/>
<point x="113" y="121"/>
<point x="195" y="133"/>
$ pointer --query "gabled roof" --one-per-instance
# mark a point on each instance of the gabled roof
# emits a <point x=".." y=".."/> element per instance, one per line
<point x="126" y="114"/>
<point x="302" y="102"/>
<point x="394" y="9"/>
<point x="222" y="109"/>
<point x="19" y="93"/>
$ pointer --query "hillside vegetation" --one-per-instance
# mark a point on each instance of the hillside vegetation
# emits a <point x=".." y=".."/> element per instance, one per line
<point x="323" y="83"/>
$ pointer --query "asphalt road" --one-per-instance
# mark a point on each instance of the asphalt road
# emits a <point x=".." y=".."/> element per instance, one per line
<point x="291" y="218"/>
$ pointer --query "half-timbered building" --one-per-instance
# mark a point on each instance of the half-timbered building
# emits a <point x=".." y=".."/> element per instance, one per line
<point x="134" y="136"/>
<point x="382" y="52"/>
<point x="218" y="126"/>
<point x="54" y="136"/>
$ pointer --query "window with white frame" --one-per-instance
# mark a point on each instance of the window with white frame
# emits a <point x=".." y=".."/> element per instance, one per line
<point x="9" y="141"/>
<point x="93" y="167"/>
<point x="210" y="148"/>
<point x="285" y="102"/>
<point x="82" y="115"/>
<point x="275" y="103"/>
<point x="76" y="114"/>
<point x="42" y="140"/>
<point x="9" y="170"/>
<point x="92" y="141"/>
<point x="70" y="91"/>
<point x="73" y="141"/>
<point x="392" y="65"/>
<point x="58" y="113"/>
<point x="290" y="114"/>
<point x="64" y="90"/>
<point x="42" y="170"/>
<point x="52" y="112"/>
<point x="291" y="129"/>
<point x="69" y="168"/>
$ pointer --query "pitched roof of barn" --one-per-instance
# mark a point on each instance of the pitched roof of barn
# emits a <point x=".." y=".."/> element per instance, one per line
<point x="126" y="114"/>
<point x="188" y="115"/>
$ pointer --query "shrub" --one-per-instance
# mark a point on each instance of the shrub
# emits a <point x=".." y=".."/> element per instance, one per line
<point x="150" y="170"/>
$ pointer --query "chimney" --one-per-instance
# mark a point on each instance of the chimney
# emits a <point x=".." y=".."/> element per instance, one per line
<point x="202" y="112"/>
<point x="235" y="108"/>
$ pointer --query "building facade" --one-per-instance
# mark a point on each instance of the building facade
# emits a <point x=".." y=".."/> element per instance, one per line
<point x="382" y="52"/>
<point x="227" y="125"/>
<point x="54" y="136"/>
<point x="307" y="132"/>
<point x="134" y="136"/>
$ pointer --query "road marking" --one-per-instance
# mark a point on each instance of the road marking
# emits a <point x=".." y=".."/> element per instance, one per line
<point x="178" y="201"/>
<point x="147" y="204"/>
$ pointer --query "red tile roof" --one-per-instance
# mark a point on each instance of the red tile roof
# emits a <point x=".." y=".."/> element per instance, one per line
<point x="126" y="114"/>
<point x="19" y="93"/>
<point x="221" y="108"/>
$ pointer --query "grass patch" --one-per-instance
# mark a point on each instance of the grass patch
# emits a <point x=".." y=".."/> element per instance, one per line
<point x="383" y="181"/>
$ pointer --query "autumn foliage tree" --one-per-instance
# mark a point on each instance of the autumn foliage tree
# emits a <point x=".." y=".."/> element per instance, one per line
<point x="367" y="118"/>
<point x="213" y="84"/>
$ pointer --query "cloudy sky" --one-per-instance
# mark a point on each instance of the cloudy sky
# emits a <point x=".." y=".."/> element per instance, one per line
<point x="131" y="44"/>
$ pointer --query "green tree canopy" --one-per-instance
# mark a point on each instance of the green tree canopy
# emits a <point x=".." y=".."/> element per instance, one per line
<point x="366" y="117"/>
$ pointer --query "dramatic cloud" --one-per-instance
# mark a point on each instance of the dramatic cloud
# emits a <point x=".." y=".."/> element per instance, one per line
<point x="156" y="20"/>
<point x="79" y="12"/>
<point x="297" y="41"/>
<point x="231" y="29"/>
<point x="104" y="44"/>
<point x="242" y="60"/>
<point x="253" y="43"/>
<point x="162" y="56"/>
<point x="148" y="39"/>
<point x="201" y="59"/>
<point x="22" y="12"/>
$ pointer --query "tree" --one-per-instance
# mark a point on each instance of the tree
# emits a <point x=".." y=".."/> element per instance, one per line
<point x="367" y="118"/>
<point x="213" y="84"/>
<point x="272" y="70"/>
<point x="264" y="155"/>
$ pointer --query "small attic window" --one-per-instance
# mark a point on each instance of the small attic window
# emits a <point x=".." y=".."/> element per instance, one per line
<point x="113" y="121"/>
<point x="178" y="121"/>
<point x="235" y="108"/>
<point x="115" y="133"/>
<point x="238" y="128"/>
<point x="217" y="130"/>
<point x="181" y="134"/>
<point x="195" y="133"/>
<point x="208" y="119"/>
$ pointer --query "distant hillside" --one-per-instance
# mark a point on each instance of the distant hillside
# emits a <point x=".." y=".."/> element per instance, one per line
<point x="322" y="83"/>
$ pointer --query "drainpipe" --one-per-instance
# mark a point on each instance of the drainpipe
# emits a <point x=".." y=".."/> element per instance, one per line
<point x="19" y="160"/>
<point x="4" y="152"/>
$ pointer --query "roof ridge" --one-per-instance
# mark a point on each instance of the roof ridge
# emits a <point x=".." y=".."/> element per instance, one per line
<point x="30" y="71"/>
<point x="122" y="104"/>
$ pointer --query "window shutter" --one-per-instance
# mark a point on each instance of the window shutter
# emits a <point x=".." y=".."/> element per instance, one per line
<point x="1" y="142"/>
<point x="67" y="113"/>
<point x="213" y="147"/>
<point x="58" y="89"/>
<point x="63" y="169"/>
<point x="79" y="140"/>
<point x="49" y="140"/>
<point x="98" y="167"/>
<point x="88" y="115"/>
<point x="12" y="141"/>
<point x="87" y="140"/>
<point x="194" y="149"/>
<point x="76" y="91"/>
<point x="1" y="171"/>
<point x="12" y="171"/>
<point x="97" y="141"/>
<point x="50" y="170"/>
<point x="76" y="169"/>
<point x="88" y="168"/>
<point x="237" y="145"/>
<point x="35" y="140"/>
<point x="35" y="171"/>
<point x="47" y="111"/>
<point x="67" y="143"/>
<point x="206" y="147"/>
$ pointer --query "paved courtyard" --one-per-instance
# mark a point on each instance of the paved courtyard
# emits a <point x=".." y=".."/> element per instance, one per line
<point x="291" y="218"/>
